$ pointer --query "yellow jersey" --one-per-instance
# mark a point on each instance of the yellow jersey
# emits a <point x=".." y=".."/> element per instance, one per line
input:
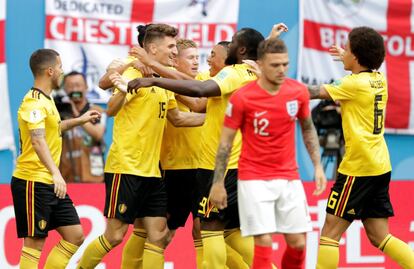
<point x="138" y="130"/>
<point x="363" y="99"/>
<point x="37" y="111"/>
<point x="181" y="145"/>
<point x="229" y="79"/>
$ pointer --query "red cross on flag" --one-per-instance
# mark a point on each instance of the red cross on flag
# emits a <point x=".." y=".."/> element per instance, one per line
<point x="327" y="22"/>
<point x="88" y="34"/>
<point x="6" y="131"/>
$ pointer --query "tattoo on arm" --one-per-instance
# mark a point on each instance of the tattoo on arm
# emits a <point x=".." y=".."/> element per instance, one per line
<point x="314" y="91"/>
<point x="310" y="138"/>
<point x="37" y="133"/>
<point x="222" y="160"/>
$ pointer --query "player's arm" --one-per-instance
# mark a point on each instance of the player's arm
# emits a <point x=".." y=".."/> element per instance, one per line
<point x="95" y="130"/>
<point x="318" y="92"/>
<point x="118" y="99"/>
<point x="38" y="139"/>
<point x="88" y="116"/>
<point x="310" y="138"/>
<point x="116" y="66"/>
<point x="193" y="103"/>
<point x="192" y="88"/>
<point x="185" y="119"/>
<point x="218" y="195"/>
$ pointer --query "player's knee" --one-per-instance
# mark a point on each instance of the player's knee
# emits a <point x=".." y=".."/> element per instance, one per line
<point x="160" y="238"/>
<point x="114" y="237"/>
<point x="375" y="239"/>
<point x="78" y="239"/>
<point x="298" y="245"/>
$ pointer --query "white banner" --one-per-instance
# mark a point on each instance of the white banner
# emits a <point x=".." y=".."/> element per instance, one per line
<point x="89" y="34"/>
<point x="328" y="22"/>
<point x="6" y="130"/>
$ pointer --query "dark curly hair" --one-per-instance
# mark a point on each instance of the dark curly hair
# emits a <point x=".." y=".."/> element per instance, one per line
<point x="368" y="47"/>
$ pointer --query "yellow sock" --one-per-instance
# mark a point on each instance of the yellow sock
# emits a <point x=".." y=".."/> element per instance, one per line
<point x="153" y="257"/>
<point x="198" y="245"/>
<point x="134" y="250"/>
<point x="94" y="253"/>
<point x="29" y="258"/>
<point x="398" y="251"/>
<point x="60" y="255"/>
<point x="214" y="249"/>
<point x="328" y="255"/>
<point x="234" y="259"/>
<point x="243" y="245"/>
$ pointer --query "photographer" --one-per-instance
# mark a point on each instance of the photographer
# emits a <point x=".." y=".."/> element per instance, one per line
<point x="327" y="119"/>
<point x="83" y="146"/>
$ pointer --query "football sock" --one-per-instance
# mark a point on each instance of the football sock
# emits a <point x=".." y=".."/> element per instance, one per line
<point x="94" y="253"/>
<point x="328" y="255"/>
<point x="153" y="257"/>
<point x="134" y="250"/>
<point x="29" y="258"/>
<point x="198" y="245"/>
<point x="234" y="259"/>
<point x="243" y="245"/>
<point x="60" y="255"/>
<point x="398" y="251"/>
<point x="262" y="257"/>
<point x="214" y="249"/>
<point x="293" y="258"/>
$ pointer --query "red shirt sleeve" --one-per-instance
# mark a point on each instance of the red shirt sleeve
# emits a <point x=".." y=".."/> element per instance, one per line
<point x="304" y="111"/>
<point x="234" y="112"/>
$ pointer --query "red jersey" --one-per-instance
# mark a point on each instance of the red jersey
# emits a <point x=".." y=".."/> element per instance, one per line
<point x="267" y="124"/>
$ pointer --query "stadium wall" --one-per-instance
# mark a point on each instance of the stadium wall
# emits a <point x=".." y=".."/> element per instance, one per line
<point x="23" y="36"/>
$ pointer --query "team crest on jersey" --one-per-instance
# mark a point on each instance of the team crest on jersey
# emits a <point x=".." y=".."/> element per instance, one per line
<point x="292" y="108"/>
<point x="122" y="208"/>
<point x="42" y="224"/>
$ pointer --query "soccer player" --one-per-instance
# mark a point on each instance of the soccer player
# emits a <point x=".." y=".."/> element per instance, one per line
<point x="243" y="46"/>
<point x="135" y="192"/>
<point x="361" y="190"/>
<point x="217" y="58"/>
<point x="271" y="195"/>
<point x="41" y="203"/>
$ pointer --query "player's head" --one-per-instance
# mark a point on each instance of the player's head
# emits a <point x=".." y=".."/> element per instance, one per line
<point x="366" y="47"/>
<point x="160" y="43"/>
<point x="75" y="86"/>
<point x="187" y="58"/>
<point x="244" y="45"/>
<point x="46" y="63"/>
<point x="273" y="60"/>
<point x="217" y="57"/>
<point x="141" y="34"/>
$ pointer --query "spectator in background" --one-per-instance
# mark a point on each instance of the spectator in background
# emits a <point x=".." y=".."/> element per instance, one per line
<point x="82" y="157"/>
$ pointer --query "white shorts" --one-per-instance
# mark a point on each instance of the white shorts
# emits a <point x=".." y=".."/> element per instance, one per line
<point x="272" y="206"/>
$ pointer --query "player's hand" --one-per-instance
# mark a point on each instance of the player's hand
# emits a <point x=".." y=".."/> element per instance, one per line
<point x="337" y="53"/>
<point x="135" y="84"/>
<point x="116" y="63"/>
<point x="119" y="82"/>
<point x="145" y="70"/>
<point x="320" y="180"/>
<point x="90" y="116"/>
<point x="59" y="184"/>
<point x="254" y="67"/>
<point x="277" y="30"/>
<point x="218" y="195"/>
<point x="140" y="54"/>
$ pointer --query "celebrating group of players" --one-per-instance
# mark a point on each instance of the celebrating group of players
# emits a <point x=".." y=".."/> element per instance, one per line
<point x="219" y="145"/>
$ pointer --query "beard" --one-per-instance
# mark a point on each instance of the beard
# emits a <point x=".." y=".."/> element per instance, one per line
<point x="231" y="59"/>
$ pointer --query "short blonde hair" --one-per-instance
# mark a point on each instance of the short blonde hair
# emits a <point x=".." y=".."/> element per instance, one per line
<point x="183" y="44"/>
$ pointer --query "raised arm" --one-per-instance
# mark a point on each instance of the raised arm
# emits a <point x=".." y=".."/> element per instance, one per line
<point x="193" y="88"/>
<point x="193" y="103"/>
<point x="310" y="138"/>
<point x="88" y="116"/>
<point x="218" y="194"/>
<point x="318" y="92"/>
<point x="185" y="119"/>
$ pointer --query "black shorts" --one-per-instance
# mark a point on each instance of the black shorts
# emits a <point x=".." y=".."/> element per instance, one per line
<point x="182" y="196"/>
<point x="230" y="215"/>
<point x="38" y="210"/>
<point x="360" y="197"/>
<point x="129" y="197"/>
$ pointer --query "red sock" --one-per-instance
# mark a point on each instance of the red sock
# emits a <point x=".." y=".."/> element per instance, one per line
<point x="293" y="258"/>
<point x="262" y="257"/>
